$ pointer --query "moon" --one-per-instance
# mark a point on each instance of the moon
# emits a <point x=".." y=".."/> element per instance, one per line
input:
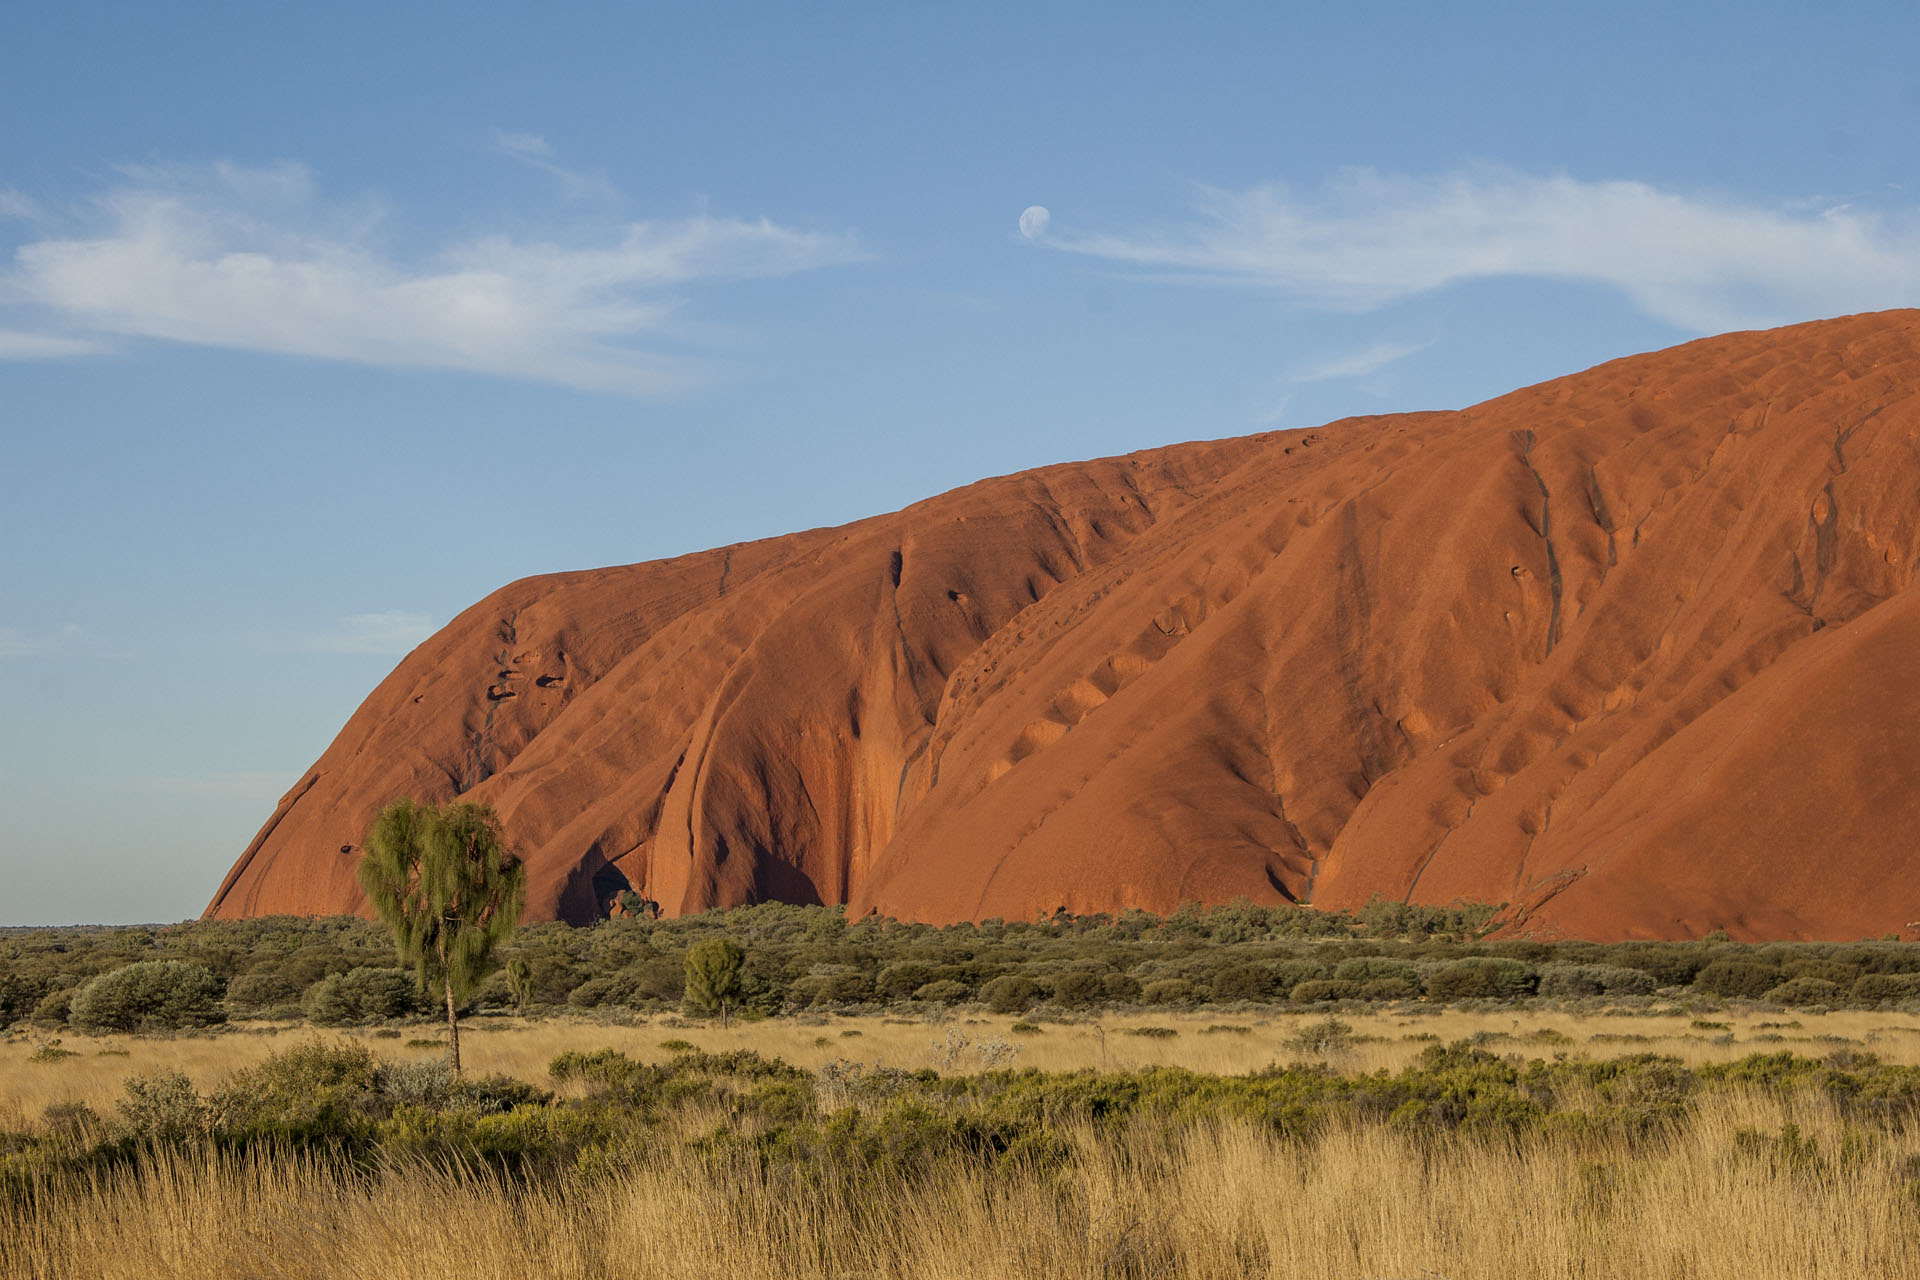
<point x="1033" y="221"/>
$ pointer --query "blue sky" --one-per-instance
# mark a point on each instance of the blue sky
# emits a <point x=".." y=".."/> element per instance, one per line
<point x="318" y="322"/>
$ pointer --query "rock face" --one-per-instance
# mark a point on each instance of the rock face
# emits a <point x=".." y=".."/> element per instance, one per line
<point x="1632" y="651"/>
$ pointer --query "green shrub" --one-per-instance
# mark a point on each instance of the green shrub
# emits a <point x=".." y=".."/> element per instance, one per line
<point x="164" y="1107"/>
<point x="1170" y="991"/>
<point x="429" y="1082"/>
<point x="18" y="995"/>
<point x="1363" y="969"/>
<point x="1289" y="974"/>
<point x="1669" y="964"/>
<point x="849" y="986"/>
<point x="600" y="1066"/>
<point x="1013" y="993"/>
<point x="1244" y="982"/>
<point x="1573" y="980"/>
<point x="54" y="1007"/>
<point x="1738" y="979"/>
<point x="1317" y="990"/>
<point x="1807" y="991"/>
<point x="318" y="1091"/>
<point x="1835" y="971"/>
<point x="1078" y="989"/>
<point x="361" y="996"/>
<point x="1482" y="978"/>
<point x="1872" y="988"/>
<point x="942" y="991"/>
<point x="901" y="981"/>
<point x="153" y="995"/>
<point x="595" y="992"/>
<point x="1121" y="988"/>
<point x="251" y="992"/>
<point x="1328" y="1035"/>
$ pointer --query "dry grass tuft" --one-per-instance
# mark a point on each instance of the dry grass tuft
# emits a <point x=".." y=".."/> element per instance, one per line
<point x="1219" y="1199"/>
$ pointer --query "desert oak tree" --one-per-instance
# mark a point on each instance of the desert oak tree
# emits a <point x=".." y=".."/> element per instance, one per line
<point x="441" y="878"/>
<point x="713" y="975"/>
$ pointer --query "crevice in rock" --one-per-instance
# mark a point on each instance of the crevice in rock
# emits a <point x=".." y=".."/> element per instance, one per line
<point x="1546" y="536"/>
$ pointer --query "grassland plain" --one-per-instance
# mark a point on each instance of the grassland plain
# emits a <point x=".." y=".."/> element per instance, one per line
<point x="1399" y="1143"/>
<point x="38" y="1069"/>
<point x="1233" y="1092"/>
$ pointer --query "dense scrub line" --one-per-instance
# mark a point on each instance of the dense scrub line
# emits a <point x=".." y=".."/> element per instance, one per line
<point x="325" y="1161"/>
<point x="340" y="1099"/>
<point x="341" y="971"/>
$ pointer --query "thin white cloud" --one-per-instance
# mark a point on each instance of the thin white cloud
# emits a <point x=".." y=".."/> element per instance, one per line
<point x="1355" y="364"/>
<point x="536" y="152"/>
<point x="43" y="346"/>
<point x="250" y="259"/>
<point x="523" y="146"/>
<point x="387" y="634"/>
<point x="1702" y="264"/>
<point x="15" y="204"/>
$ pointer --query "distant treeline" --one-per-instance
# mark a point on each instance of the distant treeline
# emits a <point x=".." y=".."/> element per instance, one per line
<point x="341" y="970"/>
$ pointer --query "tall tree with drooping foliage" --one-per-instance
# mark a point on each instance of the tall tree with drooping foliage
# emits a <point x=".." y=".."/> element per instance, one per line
<point x="441" y="877"/>
<point x="714" y="968"/>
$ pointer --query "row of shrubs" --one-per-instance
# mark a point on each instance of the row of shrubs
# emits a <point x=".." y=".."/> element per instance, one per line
<point x="171" y="995"/>
<point x="341" y="971"/>
<point x="858" y="1123"/>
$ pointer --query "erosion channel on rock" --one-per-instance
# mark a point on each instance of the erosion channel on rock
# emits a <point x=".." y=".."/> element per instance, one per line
<point x="1631" y="651"/>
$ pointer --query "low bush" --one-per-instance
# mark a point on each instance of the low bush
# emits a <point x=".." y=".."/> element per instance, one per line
<point x="1365" y="969"/>
<point x="270" y="989"/>
<point x="363" y="995"/>
<point x="1565" y="981"/>
<point x="1802" y="991"/>
<point x="1872" y="988"/>
<point x="163" y="1106"/>
<point x="1244" y="982"/>
<point x="18" y="995"/>
<point x="902" y="981"/>
<point x="1170" y="991"/>
<point x="1013" y="993"/>
<point x="1484" y="978"/>
<point x="1737" y="978"/>
<point x="54" y="1007"/>
<point x="152" y="995"/>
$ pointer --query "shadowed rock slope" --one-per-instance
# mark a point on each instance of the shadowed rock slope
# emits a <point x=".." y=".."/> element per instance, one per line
<point x="1633" y="651"/>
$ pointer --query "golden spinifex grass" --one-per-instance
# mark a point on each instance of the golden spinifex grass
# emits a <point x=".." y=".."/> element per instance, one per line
<point x="1749" y="1186"/>
<point x="1214" y="1041"/>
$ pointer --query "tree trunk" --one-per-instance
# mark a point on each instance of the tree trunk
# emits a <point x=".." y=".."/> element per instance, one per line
<point x="453" y="1029"/>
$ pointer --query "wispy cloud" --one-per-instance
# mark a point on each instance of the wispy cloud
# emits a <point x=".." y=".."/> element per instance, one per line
<point x="15" y="204"/>
<point x="253" y="259"/>
<point x="1355" y="364"/>
<point x="1700" y="263"/>
<point x="43" y="346"/>
<point x="536" y="152"/>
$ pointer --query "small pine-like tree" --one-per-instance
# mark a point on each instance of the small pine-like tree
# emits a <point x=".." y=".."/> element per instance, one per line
<point x="714" y="968"/>
<point x="441" y="878"/>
